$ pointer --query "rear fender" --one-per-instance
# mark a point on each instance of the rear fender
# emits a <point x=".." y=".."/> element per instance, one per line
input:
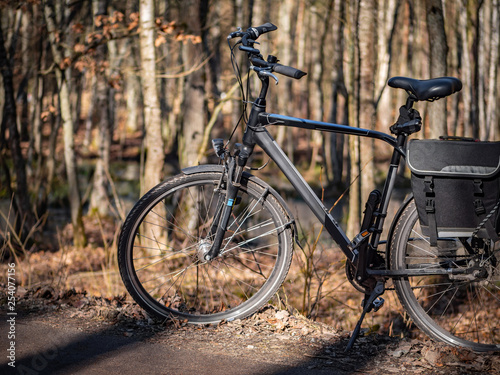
<point x="403" y="206"/>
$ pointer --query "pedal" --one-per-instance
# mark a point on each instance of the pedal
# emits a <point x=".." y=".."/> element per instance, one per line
<point x="377" y="304"/>
<point x="359" y="239"/>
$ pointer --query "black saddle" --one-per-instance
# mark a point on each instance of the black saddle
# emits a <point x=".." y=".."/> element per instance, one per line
<point x="428" y="89"/>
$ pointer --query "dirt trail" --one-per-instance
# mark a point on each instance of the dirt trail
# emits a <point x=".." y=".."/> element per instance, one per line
<point x="71" y="333"/>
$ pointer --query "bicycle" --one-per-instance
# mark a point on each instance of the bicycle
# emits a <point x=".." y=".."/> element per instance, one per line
<point x="215" y="242"/>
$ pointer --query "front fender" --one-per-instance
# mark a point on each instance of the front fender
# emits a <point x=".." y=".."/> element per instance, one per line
<point x="204" y="168"/>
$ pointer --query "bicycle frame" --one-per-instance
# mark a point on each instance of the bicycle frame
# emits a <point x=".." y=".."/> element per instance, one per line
<point x="259" y="135"/>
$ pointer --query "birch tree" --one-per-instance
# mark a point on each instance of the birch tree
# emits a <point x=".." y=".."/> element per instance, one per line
<point x="99" y="198"/>
<point x="152" y="113"/>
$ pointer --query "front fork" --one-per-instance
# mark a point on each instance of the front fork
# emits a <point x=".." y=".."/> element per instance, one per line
<point x="234" y="166"/>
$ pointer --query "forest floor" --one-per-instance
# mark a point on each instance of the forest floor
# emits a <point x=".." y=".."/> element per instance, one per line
<point x="62" y="330"/>
<point x="71" y="332"/>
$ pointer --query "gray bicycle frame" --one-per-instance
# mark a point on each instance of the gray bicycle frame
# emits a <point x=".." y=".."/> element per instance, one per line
<point x="259" y="135"/>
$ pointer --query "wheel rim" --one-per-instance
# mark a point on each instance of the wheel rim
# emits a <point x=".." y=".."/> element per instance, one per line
<point x="171" y="237"/>
<point x="461" y="310"/>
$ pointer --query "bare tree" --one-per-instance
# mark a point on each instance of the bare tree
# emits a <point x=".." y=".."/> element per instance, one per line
<point x="438" y="58"/>
<point x="367" y="67"/>
<point x="339" y="107"/>
<point x="9" y="122"/>
<point x="491" y="128"/>
<point x="386" y="17"/>
<point x="99" y="198"/>
<point x="466" y="71"/>
<point x="194" y="97"/>
<point x="152" y="113"/>
<point x="79" y="237"/>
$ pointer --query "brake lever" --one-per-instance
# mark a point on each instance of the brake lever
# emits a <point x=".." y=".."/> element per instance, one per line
<point x="269" y="74"/>
<point x="264" y="72"/>
<point x="235" y="34"/>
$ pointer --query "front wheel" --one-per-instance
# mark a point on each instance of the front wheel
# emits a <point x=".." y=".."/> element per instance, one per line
<point x="460" y="310"/>
<point x="162" y="247"/>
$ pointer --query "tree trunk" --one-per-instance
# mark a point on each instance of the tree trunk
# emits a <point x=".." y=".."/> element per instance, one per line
<point x="132" y="88"/>
<point x="132" y="84"/>
<point x="387" y="16"/>
<point x="194" y="98"/>
<point x="491" y="105"/>
<point x="22" y="94"/>
<point x="367" y="64"/>
<point x="9" y="122"/>
<point x="354" y="218"/>
<point x="99" y="198"/>
<point x="438" y="56"/>
<point x="152" y="113"/>
<point x="315" y="88"/>
<point x="79" y="237"/>
<point x="89" y="121"/>
<point x="466" y="70"/>
<point x="285" y="54"/>
<point x="339" y="112"/>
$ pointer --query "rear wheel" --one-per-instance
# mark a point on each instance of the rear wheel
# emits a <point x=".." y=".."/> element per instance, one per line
<point x="461" y="310"/>
<point x="167" y="234"/>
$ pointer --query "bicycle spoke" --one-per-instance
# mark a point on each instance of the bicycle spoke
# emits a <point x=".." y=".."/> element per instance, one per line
<point x="452" y="307"/>
<point x="169" y="245"/>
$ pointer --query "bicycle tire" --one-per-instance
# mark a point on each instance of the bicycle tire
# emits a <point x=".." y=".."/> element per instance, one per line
<point x="450" y="309"/>
<point x="161" y="247"/>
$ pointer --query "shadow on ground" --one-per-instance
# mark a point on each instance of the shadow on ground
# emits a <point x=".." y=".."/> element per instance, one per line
<point x="70" y="333"/>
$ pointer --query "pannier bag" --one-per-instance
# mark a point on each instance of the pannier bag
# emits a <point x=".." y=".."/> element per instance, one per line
<point x="456" y="186"/>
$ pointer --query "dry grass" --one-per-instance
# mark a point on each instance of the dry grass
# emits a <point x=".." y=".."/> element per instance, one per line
<point x="316" y="285"/>
<point x="93" y="268"/>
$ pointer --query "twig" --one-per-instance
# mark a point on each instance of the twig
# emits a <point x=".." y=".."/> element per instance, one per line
<point x="187" y="72"/>
<point x="119" y="206"/>
<point x="213" y="118"/>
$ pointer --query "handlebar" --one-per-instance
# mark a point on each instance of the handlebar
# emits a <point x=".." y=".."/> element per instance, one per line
<point x="249" y="37"/>
<point x="253" y="33"/>
<point x="288" y="71"/>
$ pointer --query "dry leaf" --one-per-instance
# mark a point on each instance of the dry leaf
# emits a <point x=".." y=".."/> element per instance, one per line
<point x="160" y="39"/>
<point x="282" y="315"/>
<point x="80" y="48"/>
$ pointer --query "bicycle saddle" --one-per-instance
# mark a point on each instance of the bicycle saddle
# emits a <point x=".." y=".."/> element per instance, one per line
<point x="428" y="89"/>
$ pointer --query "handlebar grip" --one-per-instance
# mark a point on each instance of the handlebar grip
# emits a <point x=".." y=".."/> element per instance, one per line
<point x="289" y="71"/>
<point x="255" y="32"/>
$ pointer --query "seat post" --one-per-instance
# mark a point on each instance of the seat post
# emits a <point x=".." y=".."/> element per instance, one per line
<point x="409" y="102"/>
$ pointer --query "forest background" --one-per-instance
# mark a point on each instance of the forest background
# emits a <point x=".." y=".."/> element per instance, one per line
<point x="103" y="99"/>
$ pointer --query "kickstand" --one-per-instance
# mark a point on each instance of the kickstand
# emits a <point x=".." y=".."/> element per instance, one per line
<point x="372" y="302"/>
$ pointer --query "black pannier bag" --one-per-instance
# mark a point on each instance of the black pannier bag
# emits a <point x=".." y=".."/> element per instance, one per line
<point x="456" y="186"/>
